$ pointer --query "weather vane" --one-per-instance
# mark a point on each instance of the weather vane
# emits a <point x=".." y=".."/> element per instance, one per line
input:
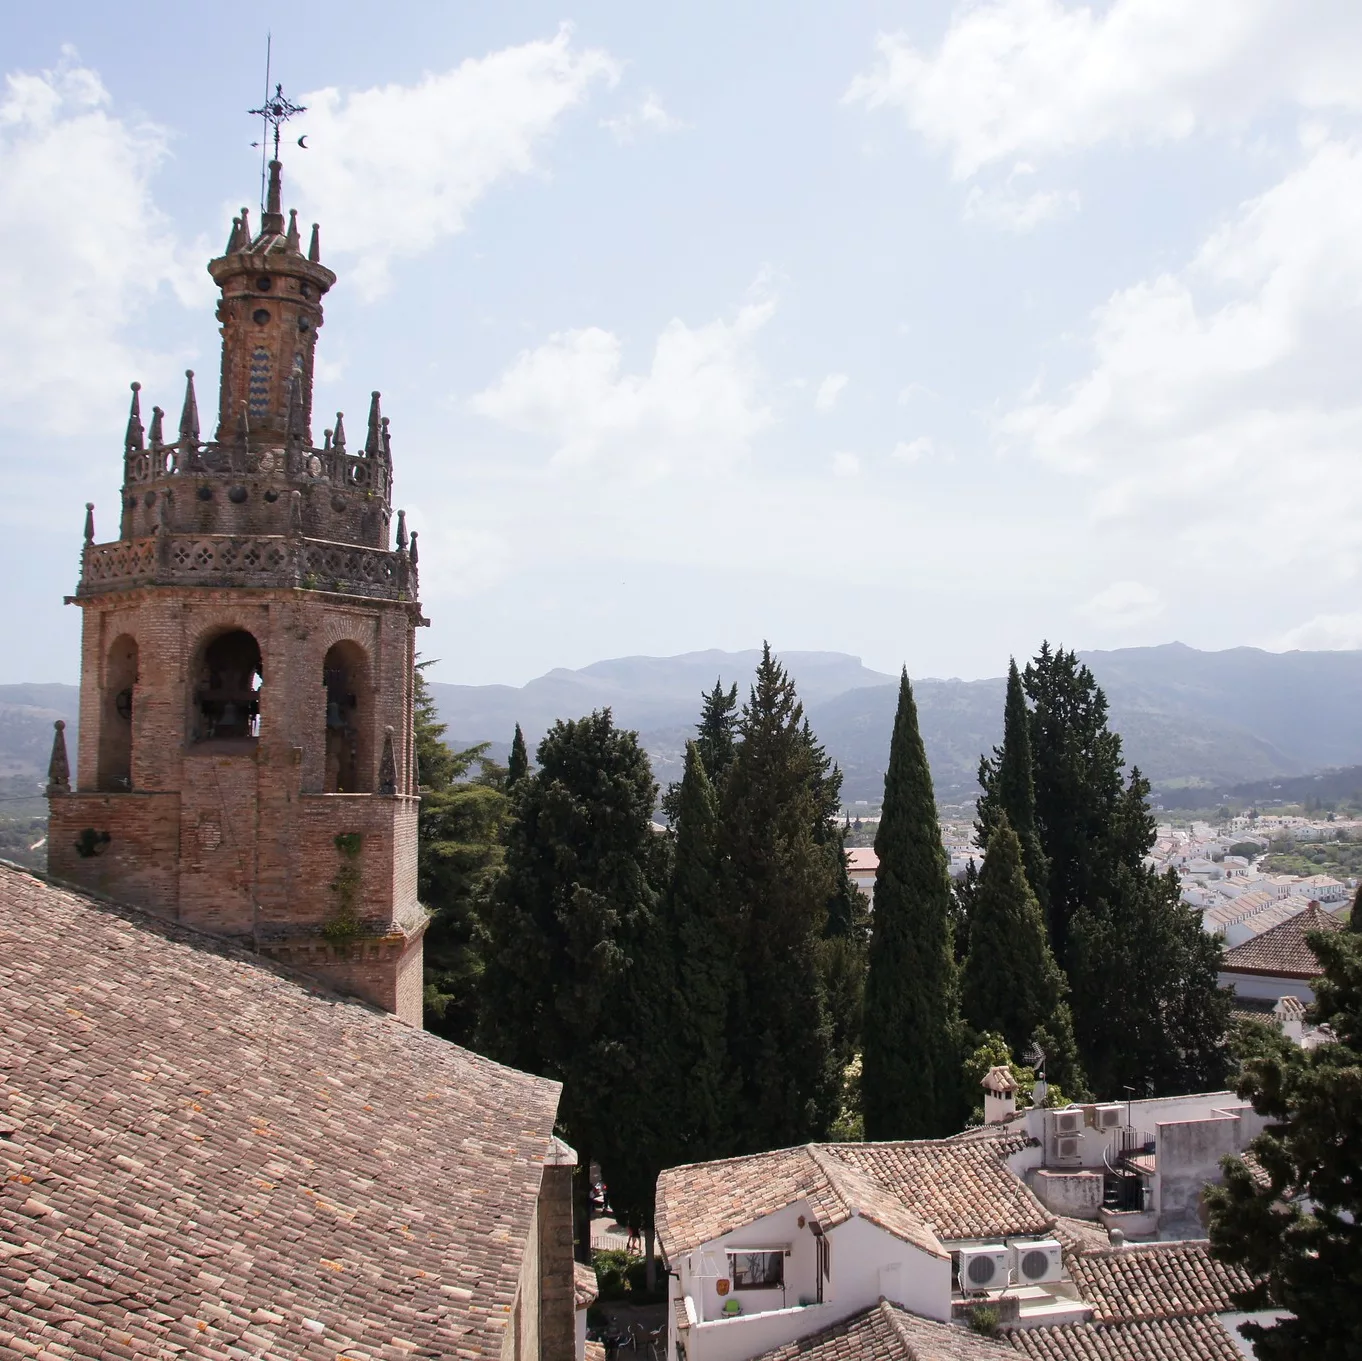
<point x="276" y="110"/>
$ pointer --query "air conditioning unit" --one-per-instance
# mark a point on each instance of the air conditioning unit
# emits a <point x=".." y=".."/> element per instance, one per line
<point x="984" y="1268"/>
<point x="1037" y="1261"/>
<point x="1067" y="1121"/>
<point x="1109" y="1116"/>
<point x="1066" y="1151"/>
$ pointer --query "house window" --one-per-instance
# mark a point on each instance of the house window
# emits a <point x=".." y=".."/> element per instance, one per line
<point x="757" y="1270"/>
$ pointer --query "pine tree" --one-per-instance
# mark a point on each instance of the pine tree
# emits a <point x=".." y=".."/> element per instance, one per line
<point x="1008" y="784"/>
<point x="434" y="760"/>
<point x="1011" y="983"/>
<point x="911" y="1083"/>
<point x="518" y="763"/>
<point x="1297" y="1234"/>
<point x="567" y="931"/>
<point x="778" y="878"/>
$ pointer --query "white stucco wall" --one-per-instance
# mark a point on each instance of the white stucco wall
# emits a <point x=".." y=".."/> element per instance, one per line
<point x="865" y="1262"/>
<point x="1267" y="985"/>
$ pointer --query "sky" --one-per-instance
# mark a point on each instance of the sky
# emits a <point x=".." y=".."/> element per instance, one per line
<point x="917" y="331"/>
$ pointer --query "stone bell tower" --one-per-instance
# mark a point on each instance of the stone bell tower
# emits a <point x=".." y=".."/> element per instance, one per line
<point x="246" y="762"/>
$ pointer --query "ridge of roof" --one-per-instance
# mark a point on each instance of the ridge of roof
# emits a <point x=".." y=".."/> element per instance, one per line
<point x="1282" y="950"/>
<point x="865" y="1197"/>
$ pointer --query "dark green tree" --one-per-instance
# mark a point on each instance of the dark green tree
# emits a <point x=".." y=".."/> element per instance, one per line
<point x="1011" y="983"/>
<point x="1078" y="785"/>
<point x="912" y="1053"/>
<point x="1298" y="1232"/>
<point x="518" y="763"/>
<point x="1007" y="781"/>
<point x="715" y="739"/>
<point x="699" y="1091"/>
<point x="778" y="877"/>
<point x="567" y="932"/>
<point x="460" y="828"/>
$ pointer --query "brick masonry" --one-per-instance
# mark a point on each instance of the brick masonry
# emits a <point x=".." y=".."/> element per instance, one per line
<point x="271" y="797"/>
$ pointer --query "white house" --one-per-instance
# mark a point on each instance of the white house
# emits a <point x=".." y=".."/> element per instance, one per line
<point x="1278" y="962"/>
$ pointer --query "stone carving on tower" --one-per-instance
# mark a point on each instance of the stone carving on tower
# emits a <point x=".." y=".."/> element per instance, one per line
<point x="245" y="759"/>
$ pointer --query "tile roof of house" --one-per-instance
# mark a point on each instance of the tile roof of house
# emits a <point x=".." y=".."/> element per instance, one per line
<point x="961" y="1186"/>
<point x="888" y="1333"/>
<point x="1156" y="1280"/>
<point x="1078" y="1236"/>
<point x="1282" y="950"/>
<point x="203" y="1156"/>
<point x="1174" y="1339"/>
<point x="584" y="1288"/>
<point x="862" y="860"/>
<point x="699" y="1202"/>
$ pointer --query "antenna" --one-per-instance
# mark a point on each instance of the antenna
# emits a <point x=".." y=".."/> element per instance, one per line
<point x="1035" y="1056"/>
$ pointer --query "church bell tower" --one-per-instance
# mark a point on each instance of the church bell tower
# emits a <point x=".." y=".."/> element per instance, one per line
<point x="246" y="759"/>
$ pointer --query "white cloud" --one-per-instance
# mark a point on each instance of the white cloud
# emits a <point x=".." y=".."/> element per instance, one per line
<point x="84" y="251"/>
<point x="845" y="464"/>
<point x="1040" y="78"/>
<point x="1122" y="605"/>
<point x="647" y="116"/>
<point x="1325" y="632"/>
<point x="700" y="404"/>
<point x="910" y="451"/>
<point x="393" y="169"/>
<point x="829" y="390"/>
<point x="1011" y="208"/>
<point x="1220" y="416"/>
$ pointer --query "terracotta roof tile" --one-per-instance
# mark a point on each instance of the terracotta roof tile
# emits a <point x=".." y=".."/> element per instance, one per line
<point x="1080" y="1235"/>
<point x="206" y="1157"/>
<point x="961" y="1186"/>
<point x="1282" y="950"/>
<point x="584" y="1286"/>
<point x="1174" y="1339"/>
<point x="1156" y="1280"/>
<point x="888" y="1333"/>
<point x="699" y="1202"/>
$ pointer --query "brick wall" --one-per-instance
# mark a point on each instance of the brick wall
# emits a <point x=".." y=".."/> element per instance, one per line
<point x="557" y="1295"/>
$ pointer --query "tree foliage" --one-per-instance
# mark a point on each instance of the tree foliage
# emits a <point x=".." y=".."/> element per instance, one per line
<point x="1299" y="1231"/>
<point x="911" y="1075"/>
<point x="1011" y="983"/>
<point x="779" y="873"/>
<point x="460" y="828"/>
<point x="571" y="935"/>
<point x="1007" y="782"/>
<point x="518" y="763"/>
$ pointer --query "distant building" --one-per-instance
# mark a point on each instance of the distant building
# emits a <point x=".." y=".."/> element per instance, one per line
<point x="1279" y="962"/>
<point x="862" y="862"/>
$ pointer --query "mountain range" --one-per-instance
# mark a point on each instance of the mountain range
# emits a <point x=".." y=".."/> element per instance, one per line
<point x="1193" y="721"/>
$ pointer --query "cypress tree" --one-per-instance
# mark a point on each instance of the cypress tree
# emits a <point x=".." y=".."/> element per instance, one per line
<point x="716" y="733"/>
<point x="1011" y="983"/>
<point x="700" y="1090"/>
<point x="1078" y="786"/>
<point x="1008" y="783"/>
<point x="518" y="763"/>
<point x="911" y="1083"/>
<point x="778" y="878"/>
<point x="569" y="920"/>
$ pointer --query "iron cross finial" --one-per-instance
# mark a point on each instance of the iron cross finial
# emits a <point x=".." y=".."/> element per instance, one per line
<point x="275" y="112"/>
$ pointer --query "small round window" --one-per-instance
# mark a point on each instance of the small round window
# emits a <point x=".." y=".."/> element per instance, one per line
<point x="264" y="283"/>
<point x="260" y="316"/>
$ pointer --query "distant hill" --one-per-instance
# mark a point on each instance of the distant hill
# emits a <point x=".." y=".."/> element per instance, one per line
<point x="1202" y="722"/>
<point x="1208" y="720"/>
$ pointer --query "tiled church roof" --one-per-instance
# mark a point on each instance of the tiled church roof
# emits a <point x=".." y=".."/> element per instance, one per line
<point x="201" y="1156"/>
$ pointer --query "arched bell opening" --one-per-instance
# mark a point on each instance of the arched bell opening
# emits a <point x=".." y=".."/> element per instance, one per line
<point x="349" y="720"/>
<point x="113" y="772"/>
<point x="229" y="681"/>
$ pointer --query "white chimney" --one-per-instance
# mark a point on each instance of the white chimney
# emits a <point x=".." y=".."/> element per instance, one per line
<point x="1000" y="1095"/>
<point x="1290" y="1014"/>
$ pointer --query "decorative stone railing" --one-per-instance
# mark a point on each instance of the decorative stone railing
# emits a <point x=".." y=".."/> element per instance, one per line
<point x="246" y="560"/>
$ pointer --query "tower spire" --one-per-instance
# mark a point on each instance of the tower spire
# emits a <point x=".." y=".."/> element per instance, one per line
<point x="189" y="416"/>
<point x="338" y="439"/>
<point x="373" y="440"/>
<point x="134" y="439"/>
